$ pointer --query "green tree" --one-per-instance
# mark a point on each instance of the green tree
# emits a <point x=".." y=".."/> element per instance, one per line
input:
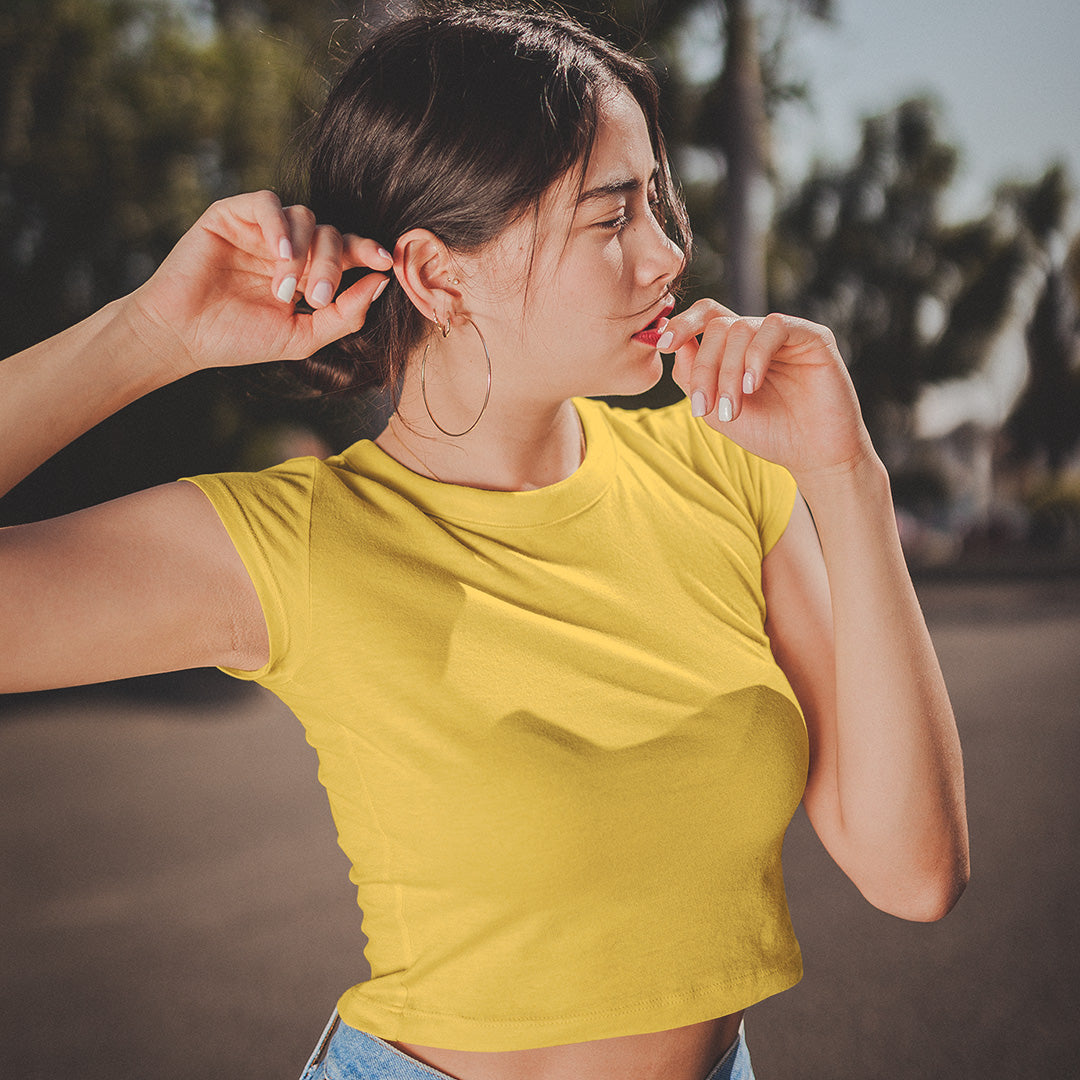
<point x="1045" y="426"/>
<point x="120" y="120"/>
<point x="728" y="119"/>
<point x="953" y="334"/>
<point x="858" y="248"/>
<point x="735" y="120"/>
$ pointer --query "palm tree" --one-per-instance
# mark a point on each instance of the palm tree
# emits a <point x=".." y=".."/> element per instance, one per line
<point x="1046" y="421"/>
<point x="730" y="118"/>
<point x="735" y="120"/>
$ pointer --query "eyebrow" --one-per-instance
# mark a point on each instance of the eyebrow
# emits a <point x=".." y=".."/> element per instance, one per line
<point x="615" y="187"/>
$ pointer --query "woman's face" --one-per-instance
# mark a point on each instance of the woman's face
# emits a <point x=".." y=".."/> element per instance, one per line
<point x="601" y="266"/>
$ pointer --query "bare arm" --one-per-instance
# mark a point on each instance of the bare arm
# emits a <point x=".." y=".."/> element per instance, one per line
<point x="56" y="390"/>
<point x="152" y="582"/>
<point x="885" y="791"/>
<point x="144" y="584"/>
<point x="215" y="301"/>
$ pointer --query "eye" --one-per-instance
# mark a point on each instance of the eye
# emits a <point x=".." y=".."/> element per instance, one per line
<point x="616" y="224"/>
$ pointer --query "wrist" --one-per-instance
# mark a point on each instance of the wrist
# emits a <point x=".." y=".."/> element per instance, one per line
<point x="863" y="476"/>
<point x="156" y="353"/>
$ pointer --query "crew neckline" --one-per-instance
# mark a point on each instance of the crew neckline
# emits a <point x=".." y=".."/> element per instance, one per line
<point x="537" y="506"/>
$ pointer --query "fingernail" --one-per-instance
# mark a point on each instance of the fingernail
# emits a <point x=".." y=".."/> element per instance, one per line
<point x="322" y="294"/>
<point x="664" y="341"/>
<point x="723" y="410"/>
<point x="697" y="403"/>
<point x="386" y="254"/>
<point x="286" y="289"/>
<point x="748" y="383"/>
<point x="284" y="248"/>
<point x="379" y="288"/>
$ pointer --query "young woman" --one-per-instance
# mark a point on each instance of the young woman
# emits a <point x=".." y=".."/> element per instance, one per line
<point x="569" y="669"/>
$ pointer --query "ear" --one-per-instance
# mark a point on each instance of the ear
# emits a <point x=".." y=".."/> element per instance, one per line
<point x="425" y="270"/>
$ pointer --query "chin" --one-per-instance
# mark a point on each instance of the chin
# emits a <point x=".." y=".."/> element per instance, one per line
<point x="629" y="379"/>
<point x="642" y="377"/>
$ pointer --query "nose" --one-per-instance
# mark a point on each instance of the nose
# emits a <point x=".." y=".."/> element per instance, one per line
<point x="662" y="259"/>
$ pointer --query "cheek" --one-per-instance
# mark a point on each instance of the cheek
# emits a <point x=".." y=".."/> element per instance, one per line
<point x="597" y="284"/>
<point x="612" y="262"/>
<point x="578" y="293"/>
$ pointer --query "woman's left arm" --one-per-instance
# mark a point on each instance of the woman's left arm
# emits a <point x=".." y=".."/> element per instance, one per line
<point x="885" y="792"/>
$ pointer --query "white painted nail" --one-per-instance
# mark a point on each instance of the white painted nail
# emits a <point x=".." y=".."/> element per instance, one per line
<point x="748" y="383"/>
<point x="322" y="294"/>
<point x="723" y="410"/>
<point x="284" y="248"/>
<point x="665" y="340"/>
<point x="379" y="289"/>
<point x="287" y="289"/>
<point x="697" y="403"/>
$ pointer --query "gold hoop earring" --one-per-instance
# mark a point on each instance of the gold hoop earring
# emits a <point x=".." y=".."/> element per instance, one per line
<point x="445" y="329"/>
<point x="487" y="393"/>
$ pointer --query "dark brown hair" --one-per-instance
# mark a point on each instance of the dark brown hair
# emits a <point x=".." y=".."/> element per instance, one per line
<point x="458" y="123"/>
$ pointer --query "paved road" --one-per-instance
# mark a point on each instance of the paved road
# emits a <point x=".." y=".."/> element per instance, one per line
<point x="172" y="905"/>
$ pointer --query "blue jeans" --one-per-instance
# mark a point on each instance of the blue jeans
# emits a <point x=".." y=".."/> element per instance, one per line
<point x="343" y="1053"/>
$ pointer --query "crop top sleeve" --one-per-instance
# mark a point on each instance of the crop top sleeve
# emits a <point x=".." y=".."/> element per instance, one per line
<point x="765" y="490"/>
<point x="268" y="518"/>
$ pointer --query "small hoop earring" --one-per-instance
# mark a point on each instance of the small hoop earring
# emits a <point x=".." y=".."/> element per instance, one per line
<point x="445" y="329"/>
<point x="487" y="393"/>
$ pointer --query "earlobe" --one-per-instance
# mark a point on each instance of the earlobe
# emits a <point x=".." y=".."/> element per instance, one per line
<point x="424" y="269"/>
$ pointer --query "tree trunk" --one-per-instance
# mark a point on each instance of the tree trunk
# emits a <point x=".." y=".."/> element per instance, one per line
<point x="748" y="198"/>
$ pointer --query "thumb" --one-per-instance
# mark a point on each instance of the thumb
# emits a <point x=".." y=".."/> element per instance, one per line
<point x="348" y="312"/>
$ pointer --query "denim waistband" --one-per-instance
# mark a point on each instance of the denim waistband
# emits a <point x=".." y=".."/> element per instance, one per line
<point x="344" y="1053"/>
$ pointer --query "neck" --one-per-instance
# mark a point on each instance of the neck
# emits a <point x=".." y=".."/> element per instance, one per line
<point x="515" y="446"/>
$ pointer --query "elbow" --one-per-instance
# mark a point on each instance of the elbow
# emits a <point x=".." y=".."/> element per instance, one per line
<point x="927" y="899"/>
<point x="931" y="905"/>
<point x="955" y="886"/>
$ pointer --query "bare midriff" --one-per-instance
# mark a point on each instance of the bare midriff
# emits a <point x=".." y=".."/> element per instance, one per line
<point x="685" y="1053"/>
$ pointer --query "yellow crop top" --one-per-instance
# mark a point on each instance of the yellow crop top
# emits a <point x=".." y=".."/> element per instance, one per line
<point x="560" y="756"/>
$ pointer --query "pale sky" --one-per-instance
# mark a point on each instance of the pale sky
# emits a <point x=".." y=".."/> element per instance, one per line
<point x="1007" y="75"/>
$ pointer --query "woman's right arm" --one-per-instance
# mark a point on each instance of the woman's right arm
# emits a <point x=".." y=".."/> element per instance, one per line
<point x="151" y="582"/>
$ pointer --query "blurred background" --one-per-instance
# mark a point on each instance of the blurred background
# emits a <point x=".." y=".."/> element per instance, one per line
<point x="902" y="173"/>
<point x="171" y="900"/>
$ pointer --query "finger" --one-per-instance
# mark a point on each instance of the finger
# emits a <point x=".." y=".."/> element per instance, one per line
<point x="347" y="313"/>
<point x="322" y="274"/>
<point x="359" y="251"/>
<point x="771" y="336"/>
<point x="684" y="364"/>
<point x="692" y="322"/>
<point x="253" y="223"/>
<point x="264" y="210"/>
<point x="730" y="378"/>
<point x="301" y="224"/>
<point x="705" y="367"/>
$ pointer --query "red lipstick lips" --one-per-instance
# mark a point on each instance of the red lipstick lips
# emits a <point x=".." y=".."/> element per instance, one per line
<point x="651" y="334"/>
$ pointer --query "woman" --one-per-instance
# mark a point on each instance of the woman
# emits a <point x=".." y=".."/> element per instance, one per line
<point x="568" y="669"/>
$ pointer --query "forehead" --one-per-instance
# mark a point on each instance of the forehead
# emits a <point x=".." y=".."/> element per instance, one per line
<point x="622" y="159"/>
<point x="621" y="153"/>
<point x="623" y="147"/>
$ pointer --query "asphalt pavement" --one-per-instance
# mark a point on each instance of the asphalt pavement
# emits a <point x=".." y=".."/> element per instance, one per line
<point x="173" y="904"/>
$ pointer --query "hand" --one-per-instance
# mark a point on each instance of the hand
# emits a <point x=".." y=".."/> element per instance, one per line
<point x="225" y="294"/>
<point x="776" y="385"/>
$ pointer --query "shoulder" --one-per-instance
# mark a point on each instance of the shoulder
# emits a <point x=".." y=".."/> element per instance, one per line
<point x="674" y="430"/>
<point x="290" y="482"/>
<point x="672" y="442"/>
